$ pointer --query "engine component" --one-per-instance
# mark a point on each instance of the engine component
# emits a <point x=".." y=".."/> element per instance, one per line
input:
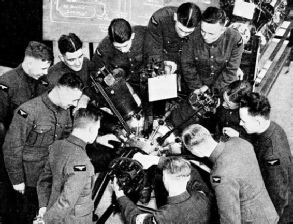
<point x="129" y="174"/>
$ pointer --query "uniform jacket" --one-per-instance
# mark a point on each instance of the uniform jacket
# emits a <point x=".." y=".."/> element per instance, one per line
<point x="65" y="185"/>
<point x="192" y="206"/>
<point x="229" y="118"/>
<point x="17" y="87"/>
<point x="131" y="62"/>
<point x="275" y="161"/>
<point x="162" y="41"/>
<point x="214" y="65"/>
<point x="59" y="69"/>
<point x="36" y="125"/>
<point x="240" y="191"/>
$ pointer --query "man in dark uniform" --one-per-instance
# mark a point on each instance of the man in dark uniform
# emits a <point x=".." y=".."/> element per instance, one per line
<point x="123" y="48"/>
<point x="235" y="176"/>
<point x="37" y="124"/>
<point x="273" y="152"/>
<point x="209" y="61"/>
<point x="16" y="87"/>
<point x="213" y="56"/>
<point x="72" y="60"/>
<point x="23" y="83"/>
<point x="185" y="205"/>
<point x="65" y="185"/>
<point x="169" y="29"/>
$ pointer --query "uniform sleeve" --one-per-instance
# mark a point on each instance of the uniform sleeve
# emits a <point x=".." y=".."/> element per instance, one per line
<point x="228" y="200"/>
<point x="21" y="125"/>
<point x="189" y="71"/>
<point x="44" y="186"/>
<point x="229" y="73"/>
<point x="77" y="174"/>
<point x="133" y="215"/>
<point x="196" y="182"/>
<point x="5" y="106"/>
<point x="103" y="55"/>
<point x="276" y="177"/>
<point x="154" y="40"/>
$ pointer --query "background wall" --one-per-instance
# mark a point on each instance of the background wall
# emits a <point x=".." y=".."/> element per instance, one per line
<point x="22" y="20"/>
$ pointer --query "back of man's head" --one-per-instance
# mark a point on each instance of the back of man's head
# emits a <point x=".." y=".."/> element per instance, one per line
<point x="70" y="80"/>
<point x="69" y="43"/>
<point x="85" y="116"/>
<point x="237" y="89"/>
<point x="189" y="14"/>
<point x="39" y="51"/>
<point x="119" y="30"/>
<point x="195" y="135"/>
<point x="214" y="15"/>
<point x="257" y="105"/>
<point x="177" y="167"/>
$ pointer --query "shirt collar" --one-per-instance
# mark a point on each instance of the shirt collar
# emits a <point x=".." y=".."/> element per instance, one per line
<point x="217" y="151"/>
<point x="77" y="141"/>
<point x="179" y="198"/>
<point x="49" y="103"/>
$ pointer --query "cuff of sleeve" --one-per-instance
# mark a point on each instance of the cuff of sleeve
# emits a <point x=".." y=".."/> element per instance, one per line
<point x="16" y="178"/>
<point x="161" y="161"/>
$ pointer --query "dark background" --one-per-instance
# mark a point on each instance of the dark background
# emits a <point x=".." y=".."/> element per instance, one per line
<point x="20" y="22"/>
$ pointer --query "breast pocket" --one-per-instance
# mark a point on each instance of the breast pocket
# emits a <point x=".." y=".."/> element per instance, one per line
<point x="220" y="62"/>
<point x="41" y="135"/>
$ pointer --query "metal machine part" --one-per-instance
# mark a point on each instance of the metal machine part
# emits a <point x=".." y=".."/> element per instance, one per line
<point x="129" y="174"/>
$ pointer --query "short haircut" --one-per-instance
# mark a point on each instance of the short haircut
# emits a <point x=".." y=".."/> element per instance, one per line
<point x="69" y="43"/>
<point x="70" y="80"/>
<point x="195" y="135"/>
<point x="86" y="116"/>
<point x="213" y="15"/>
<point x="237" y="89"/>
<point x="188" y="14"/>
<point x="256" y="104"/>
<point x="40" y="51"/>
<point x="176" y="166"/>
<point x="119" y="30"/>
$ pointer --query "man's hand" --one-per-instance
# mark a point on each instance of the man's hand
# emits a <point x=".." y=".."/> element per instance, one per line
<point x="230" y="132"/>
<point x="19" y="187"/>
<point x="104" y="140"/>
<point x="170" y="67"/>
<point x="146" y="160"/>
<point x="42" y="211"/>
<point x="201" y="90"/>
<point x="118" y="192"/>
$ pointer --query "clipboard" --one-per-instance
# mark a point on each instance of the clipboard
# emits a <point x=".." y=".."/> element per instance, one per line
<point x="162" y="87"/>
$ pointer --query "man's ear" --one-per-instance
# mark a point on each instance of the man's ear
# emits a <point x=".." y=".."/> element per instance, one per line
<point x="132" y="36"/>
<point x="29" y="64"/>
<point x="258" y="120"/>
<point x="226" y="22"/>
<point x="61" y="57"/>
<point x="175" y="16"/>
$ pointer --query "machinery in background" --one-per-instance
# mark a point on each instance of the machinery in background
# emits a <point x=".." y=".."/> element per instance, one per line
<point x="257" y="22"/>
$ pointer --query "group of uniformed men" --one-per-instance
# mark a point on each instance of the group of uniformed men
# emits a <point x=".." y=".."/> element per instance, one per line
<point x="44" y="166"/>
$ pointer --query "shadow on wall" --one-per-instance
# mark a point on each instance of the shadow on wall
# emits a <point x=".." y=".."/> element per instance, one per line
<point x="20" y="22"/>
